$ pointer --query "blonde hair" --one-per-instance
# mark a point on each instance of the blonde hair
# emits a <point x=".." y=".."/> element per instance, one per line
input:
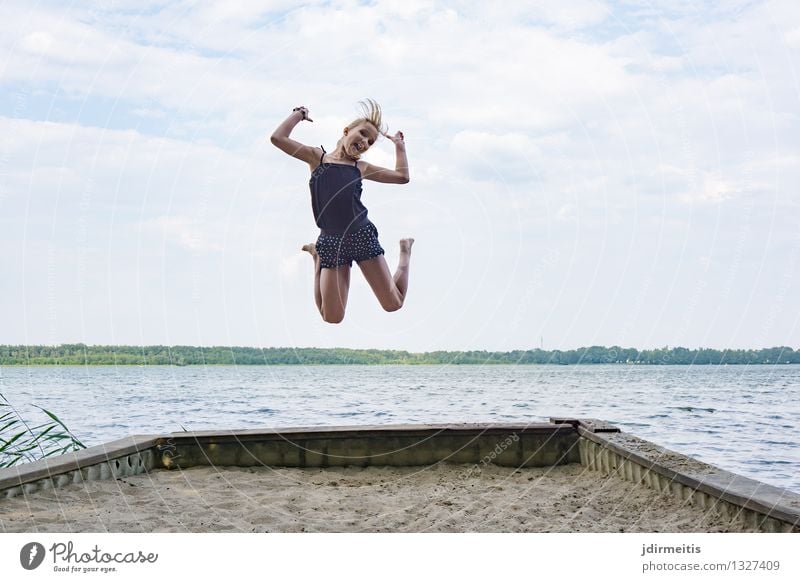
<point x="370" y="113"/>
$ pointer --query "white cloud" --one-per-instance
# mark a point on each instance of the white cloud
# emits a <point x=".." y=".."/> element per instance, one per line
<point x="714" y="189"/>
<point x="566" y="213"/>
<point x="150" y="113"/>
<point x="572" y="15"/>
<point x="792" y="38"/>
<point x="189" y="233"/>
<point x="494" y="157"/>
<point x="38" y="43"/>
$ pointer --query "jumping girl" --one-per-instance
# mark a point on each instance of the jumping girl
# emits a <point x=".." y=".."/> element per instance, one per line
<point x="346" y="235"/>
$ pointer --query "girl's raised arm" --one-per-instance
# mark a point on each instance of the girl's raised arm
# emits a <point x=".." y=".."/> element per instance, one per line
<point x="400" y="173"/>
<point x="280" y="138"/>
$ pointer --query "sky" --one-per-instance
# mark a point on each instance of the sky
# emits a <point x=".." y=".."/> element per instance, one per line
<point x="595" y="173"/>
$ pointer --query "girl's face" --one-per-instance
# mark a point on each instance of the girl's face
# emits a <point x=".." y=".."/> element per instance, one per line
<point x="359" y="139"/>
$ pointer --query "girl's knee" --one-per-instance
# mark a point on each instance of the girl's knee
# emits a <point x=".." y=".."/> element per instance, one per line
<point x="393" y="304"/>
<point x="333" y="317"/>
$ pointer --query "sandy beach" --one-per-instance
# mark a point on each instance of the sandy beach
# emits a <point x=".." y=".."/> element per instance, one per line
<point x="443" y="498"/>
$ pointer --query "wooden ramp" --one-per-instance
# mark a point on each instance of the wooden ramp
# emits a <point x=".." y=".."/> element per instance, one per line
<point x="593" y="443"/>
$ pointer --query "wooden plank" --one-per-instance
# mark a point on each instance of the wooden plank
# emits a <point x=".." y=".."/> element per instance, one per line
<point x="589" y="424"/>
<point x="54" y="466"/>
<point x="768" y="500"/>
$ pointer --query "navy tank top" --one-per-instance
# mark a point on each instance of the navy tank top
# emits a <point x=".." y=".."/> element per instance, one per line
<point x="336" y="198"/>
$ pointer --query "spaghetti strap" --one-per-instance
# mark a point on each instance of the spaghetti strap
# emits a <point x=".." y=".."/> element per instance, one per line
<point x="323" y="153"/>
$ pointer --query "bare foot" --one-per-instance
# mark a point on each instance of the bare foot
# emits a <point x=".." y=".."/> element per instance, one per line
<point x="405" y="245"/>
<point x="311" y="249"/>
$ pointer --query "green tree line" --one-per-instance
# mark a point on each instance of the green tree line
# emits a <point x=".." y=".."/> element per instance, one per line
<point x="81" y="354"/>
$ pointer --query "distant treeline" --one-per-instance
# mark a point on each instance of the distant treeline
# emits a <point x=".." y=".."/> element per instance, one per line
<point x="80" y="354"/>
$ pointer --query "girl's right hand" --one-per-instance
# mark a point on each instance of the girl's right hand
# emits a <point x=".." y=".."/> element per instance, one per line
<point x="304" y="111"/>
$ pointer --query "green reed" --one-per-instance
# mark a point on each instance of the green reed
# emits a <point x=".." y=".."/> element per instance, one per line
<point x="21" y="442"/>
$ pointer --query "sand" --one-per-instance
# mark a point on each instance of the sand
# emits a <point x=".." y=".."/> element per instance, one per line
<point x="442" y="498"/>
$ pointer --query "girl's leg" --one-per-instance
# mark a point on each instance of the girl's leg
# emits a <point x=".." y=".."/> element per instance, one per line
<point x="390" y="290"/>
<point x="311" y="249"/>
<point x="331" y="288"/>
<point x="334" y="286"/>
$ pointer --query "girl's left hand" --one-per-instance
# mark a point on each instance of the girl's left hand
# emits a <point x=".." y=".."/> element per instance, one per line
<point x="397" y="138"/>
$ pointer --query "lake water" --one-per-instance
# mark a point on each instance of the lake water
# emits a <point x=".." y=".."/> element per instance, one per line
<point x="743" y="418"/>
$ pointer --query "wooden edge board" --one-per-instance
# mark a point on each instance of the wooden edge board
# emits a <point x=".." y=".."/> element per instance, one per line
<point x="54" y="466"/>
<point x="736" y="489"/>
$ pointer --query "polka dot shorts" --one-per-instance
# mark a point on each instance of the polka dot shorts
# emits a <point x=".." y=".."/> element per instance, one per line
<point x="335" y="250"/>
